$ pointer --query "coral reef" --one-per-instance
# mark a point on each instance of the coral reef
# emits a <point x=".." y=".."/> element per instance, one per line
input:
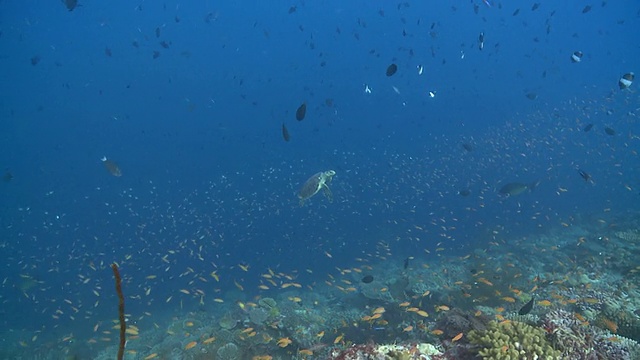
<point x="577" y="340"/>
<point x="228" y="321"/>
<point x="619" y="315"/>
<point x="513" y="340"/>
<point x="372" y="351"/>
<point x="631" y="235"/>
<point x="457" y="321"/>
<point x="228" y="351"/>
<point x="258" y="315"/>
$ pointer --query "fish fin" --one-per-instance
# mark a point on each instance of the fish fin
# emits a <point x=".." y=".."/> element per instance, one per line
<point x="327" y="192"/>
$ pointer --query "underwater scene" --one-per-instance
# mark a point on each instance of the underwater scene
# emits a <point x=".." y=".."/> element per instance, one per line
<point x="269" y="180"/>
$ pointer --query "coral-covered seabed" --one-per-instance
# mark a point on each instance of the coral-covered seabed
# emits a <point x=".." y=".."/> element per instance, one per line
<point x="583" y="281"/>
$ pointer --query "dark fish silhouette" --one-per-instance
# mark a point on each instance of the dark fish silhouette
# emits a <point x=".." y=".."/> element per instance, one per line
<point x="391" y="69"/>
<point x="111" y="166"/>
<point x="588" y="128"/>
<point x="406" y="263"/>
<point x="576" y="57"/>
<point x="626" y="80"/>
<point x="7" y="176"/>
<point x="301" y="112"/>
<point x="527" y="307"/>
<point x="467" y="147"/>
<point x="285" y="133"/>
<point x="464" y="192"/>
<point x="512" y="189"/>
<point x="609" y="131"/>
<point x="70" y="4"/>
<point x="586" y="9"/>
<point x="367" y="279"/>
<point x="586" y="176"/>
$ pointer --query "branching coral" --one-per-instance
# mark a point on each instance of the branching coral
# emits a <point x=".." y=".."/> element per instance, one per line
<point x="578" y="341"/>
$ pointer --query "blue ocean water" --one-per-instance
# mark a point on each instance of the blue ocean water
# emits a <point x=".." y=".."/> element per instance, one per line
<point x="189" y="100"/>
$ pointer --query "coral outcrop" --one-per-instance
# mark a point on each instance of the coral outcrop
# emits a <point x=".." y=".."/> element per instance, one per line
<point x="513" y="340"/>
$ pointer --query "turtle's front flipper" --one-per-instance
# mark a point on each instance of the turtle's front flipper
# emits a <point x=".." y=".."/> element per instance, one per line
<point x="327" y="192"/>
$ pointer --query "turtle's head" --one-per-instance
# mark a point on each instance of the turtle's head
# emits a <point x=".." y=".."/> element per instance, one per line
<point x="329" y="173"/>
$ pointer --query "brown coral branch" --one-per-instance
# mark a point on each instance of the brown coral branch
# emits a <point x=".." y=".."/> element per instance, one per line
<point x="123" y="325"/>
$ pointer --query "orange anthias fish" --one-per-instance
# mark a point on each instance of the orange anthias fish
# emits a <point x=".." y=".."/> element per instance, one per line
<point x="284" y="342"/>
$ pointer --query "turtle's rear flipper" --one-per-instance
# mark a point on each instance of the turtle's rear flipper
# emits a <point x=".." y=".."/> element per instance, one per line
<point x="327" y="192"/>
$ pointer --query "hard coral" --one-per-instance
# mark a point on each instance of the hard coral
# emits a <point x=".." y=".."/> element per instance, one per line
<point x="579" y="341"/>
<point x="354" y="352"/>
<point x="513" y="340"/>
<point x="385" y="352"/>
<point x="457" y="321"/>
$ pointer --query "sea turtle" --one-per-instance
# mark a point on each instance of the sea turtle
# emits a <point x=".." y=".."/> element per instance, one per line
<point x="316" y="183"/>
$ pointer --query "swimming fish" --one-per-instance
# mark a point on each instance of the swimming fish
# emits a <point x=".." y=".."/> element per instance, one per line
<point x="7" y="176"/>
<point x="517" y="188"/>
<point x="588" y="127"/>
<point x="285" y="133"/>
<point x="301" y="112"/>
<point x="626" y="80"/>
<point x="111" y="166"/>
<point x="391" y="69"/>
<point x="527" y="307"/>
<point x="585" y="176"/>
<point x="576" y="57"/>
<point x="70" y="4"/>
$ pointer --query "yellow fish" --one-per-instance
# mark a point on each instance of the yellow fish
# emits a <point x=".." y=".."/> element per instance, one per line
<point x="284" y="342"/>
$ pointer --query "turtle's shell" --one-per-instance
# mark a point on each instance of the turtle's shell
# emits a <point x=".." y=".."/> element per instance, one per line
<point x="311" y="186"/>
